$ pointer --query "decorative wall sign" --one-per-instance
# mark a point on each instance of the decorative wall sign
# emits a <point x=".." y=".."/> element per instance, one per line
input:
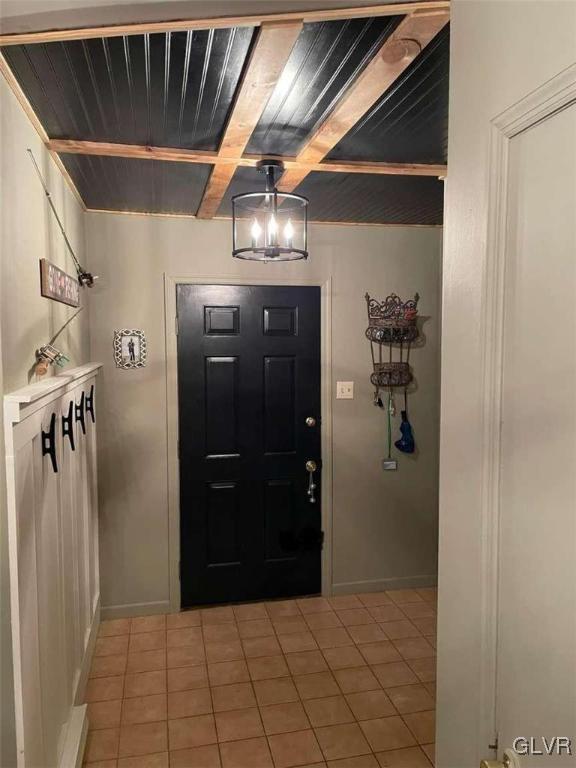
<point x="129" y="348"/>
<point x="58" y="285"/>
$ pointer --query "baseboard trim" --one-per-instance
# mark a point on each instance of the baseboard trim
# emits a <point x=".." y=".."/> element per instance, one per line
<point x="134" y="609"/>
<point x="380" y="585"/>
<point x="76" y="734"/>
<point x="82" y="679"/>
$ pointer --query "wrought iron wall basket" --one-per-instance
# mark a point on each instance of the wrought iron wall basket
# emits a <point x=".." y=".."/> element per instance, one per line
<point x="395" y="333"/>
<point x="391" y="375"/>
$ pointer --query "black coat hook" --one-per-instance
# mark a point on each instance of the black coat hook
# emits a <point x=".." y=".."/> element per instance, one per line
<point x="49" y="443"/>
<point x="90" y="404"/>
<point x="80" y="413"/>
<point x="68" y="425"/>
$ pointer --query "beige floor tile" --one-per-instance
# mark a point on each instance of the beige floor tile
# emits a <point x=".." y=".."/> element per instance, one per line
<point x="403" y="596"/>
<point x="143" y="739"/>
<point x="314" y="605"/>
<point x="196" y="757"/>
<point x="102" y="764"/>
<point x="426" y="626"/>
<point x="145" y="683"/>
<point x="236" y="696"/>
<point x="227" y="672"/>
<point x="187" y="678"/>
<point x="176" y="638"/>
<point x="387" y="733"/>
<point x="332" y="710"/>
<point x="111" y="627"/>
<point x="277" y="691"/>
<point x="255" y="628"/>
<point x="316" y="686"/>
<point x="410" y="698"/>
<point x="430" y="594"/>
<point x="291" y="624"/>
<point x="249" y="753"/>
<point x="217" y="615"/>
<point x="324" y="620"/>
<point x="108" y="666"/>
<point x="294" y="749"/>
<point x="147" y="641"/>
<point x="384" y="613"/>
<point x="356" y="679"/>
<point x="298" y="641"/>
<point x="425" y="669"/>
<point x="343" y="602"/>
<point x="414" y="648"/>
<point x="191" y="732"/>
<point x="158" y="760"/>
<point x="432" y="640"/>
<point x="344" y="657"/>
<point x="104" y="688"/>
<point x="281" y="609"/>
<point x="183" y="619"/>
<point x="398" y="629"/>
<point x="380" y="653"/>
<point x="422" y="725"/>
<point x="189" y="703"/>
<point x="260" y="646"/>
<point x="227" y="650"/>
<point x="373" y="599"/>
<point x="411" y="757"/>
<point x="339" y="741"/>
<point x="306" y="662"/>
<point x="146" y="661"/>
<point x="368" y="705"/>
<point x="366" y="633"/>
<point x="354" y="617"/>
<point x="267" y="667"/>
<point x="362" y="761"/>
<point x="239" y="724"/>
<point x="110" y="646"/>
<point x="251" y="611"/>
<point x="283" y="718"/>
<point x="419" y="611"/>
<point x="430" y="750"/>
<point x="144" y="709"/>
<point x="396" y="673"/>
<point x="102" y="744"/>
<point x="104" y="714"/>
<point x="187" y="656"/>
<point x="148" y="623"/>
<point x="431" y="688"/>
<point x="332" y="637"/>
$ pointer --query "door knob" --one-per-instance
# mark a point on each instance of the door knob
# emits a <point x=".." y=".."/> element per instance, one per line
<point x="310" y="421"/>
<point x="311" y="467"/>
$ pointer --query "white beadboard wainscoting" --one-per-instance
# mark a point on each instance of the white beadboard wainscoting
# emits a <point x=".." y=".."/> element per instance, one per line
<point x="54" y="579"/>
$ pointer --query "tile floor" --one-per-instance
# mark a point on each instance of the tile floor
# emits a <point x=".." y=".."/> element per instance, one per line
<point x="344" y="682"/>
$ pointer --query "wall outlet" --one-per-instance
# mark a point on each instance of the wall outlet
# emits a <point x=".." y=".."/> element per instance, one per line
<point x="344" y="390"/>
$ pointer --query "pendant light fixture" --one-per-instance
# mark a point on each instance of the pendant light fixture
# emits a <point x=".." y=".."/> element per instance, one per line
<point x="269" y="225"/>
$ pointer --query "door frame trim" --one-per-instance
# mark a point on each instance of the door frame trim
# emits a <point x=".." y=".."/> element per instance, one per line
<point x="553" y="96"/>
<point x="170" y="284"/>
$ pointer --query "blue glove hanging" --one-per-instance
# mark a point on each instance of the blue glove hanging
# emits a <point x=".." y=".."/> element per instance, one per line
<point x="406" y="442"/>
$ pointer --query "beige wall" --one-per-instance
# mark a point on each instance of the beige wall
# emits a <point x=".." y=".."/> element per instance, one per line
<point x="500" y="52"/>
<point x="27" y="320"/>
<point x="385" y="524"/>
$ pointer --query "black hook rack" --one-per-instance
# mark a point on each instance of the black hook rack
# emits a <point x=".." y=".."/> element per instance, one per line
<point x="49" y="443"/>
<point x="89" y="405"/>
<point x="68" y="425"/>
<point x="80" y="413"/>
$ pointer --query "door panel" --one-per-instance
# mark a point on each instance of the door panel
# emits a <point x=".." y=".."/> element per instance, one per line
<point x="536" y="680"/>
<point x="248" y="376"/>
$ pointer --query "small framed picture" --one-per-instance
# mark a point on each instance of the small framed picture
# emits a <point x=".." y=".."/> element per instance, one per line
<point x="129" y="348"/>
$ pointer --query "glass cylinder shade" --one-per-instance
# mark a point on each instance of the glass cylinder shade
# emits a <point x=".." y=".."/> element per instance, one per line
<point x="270" y="226"/>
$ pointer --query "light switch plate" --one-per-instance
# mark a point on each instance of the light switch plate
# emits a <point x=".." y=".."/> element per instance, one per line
<point x="344" y="390"/>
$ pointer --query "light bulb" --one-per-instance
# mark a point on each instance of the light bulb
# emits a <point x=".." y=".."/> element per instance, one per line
<point x="288" y="233"/>
<point x="255" y="231"/>
<point x="272" y="230"/>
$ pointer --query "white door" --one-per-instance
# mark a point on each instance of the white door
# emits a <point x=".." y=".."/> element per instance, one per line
<point x="536" y="617"/>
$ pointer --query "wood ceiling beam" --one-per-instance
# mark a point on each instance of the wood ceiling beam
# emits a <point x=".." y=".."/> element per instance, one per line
<point x="410" y="37"/>
<point x="119" y="30"/>
<point x="267" y="60"/>
<point x="173" y="154"/>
